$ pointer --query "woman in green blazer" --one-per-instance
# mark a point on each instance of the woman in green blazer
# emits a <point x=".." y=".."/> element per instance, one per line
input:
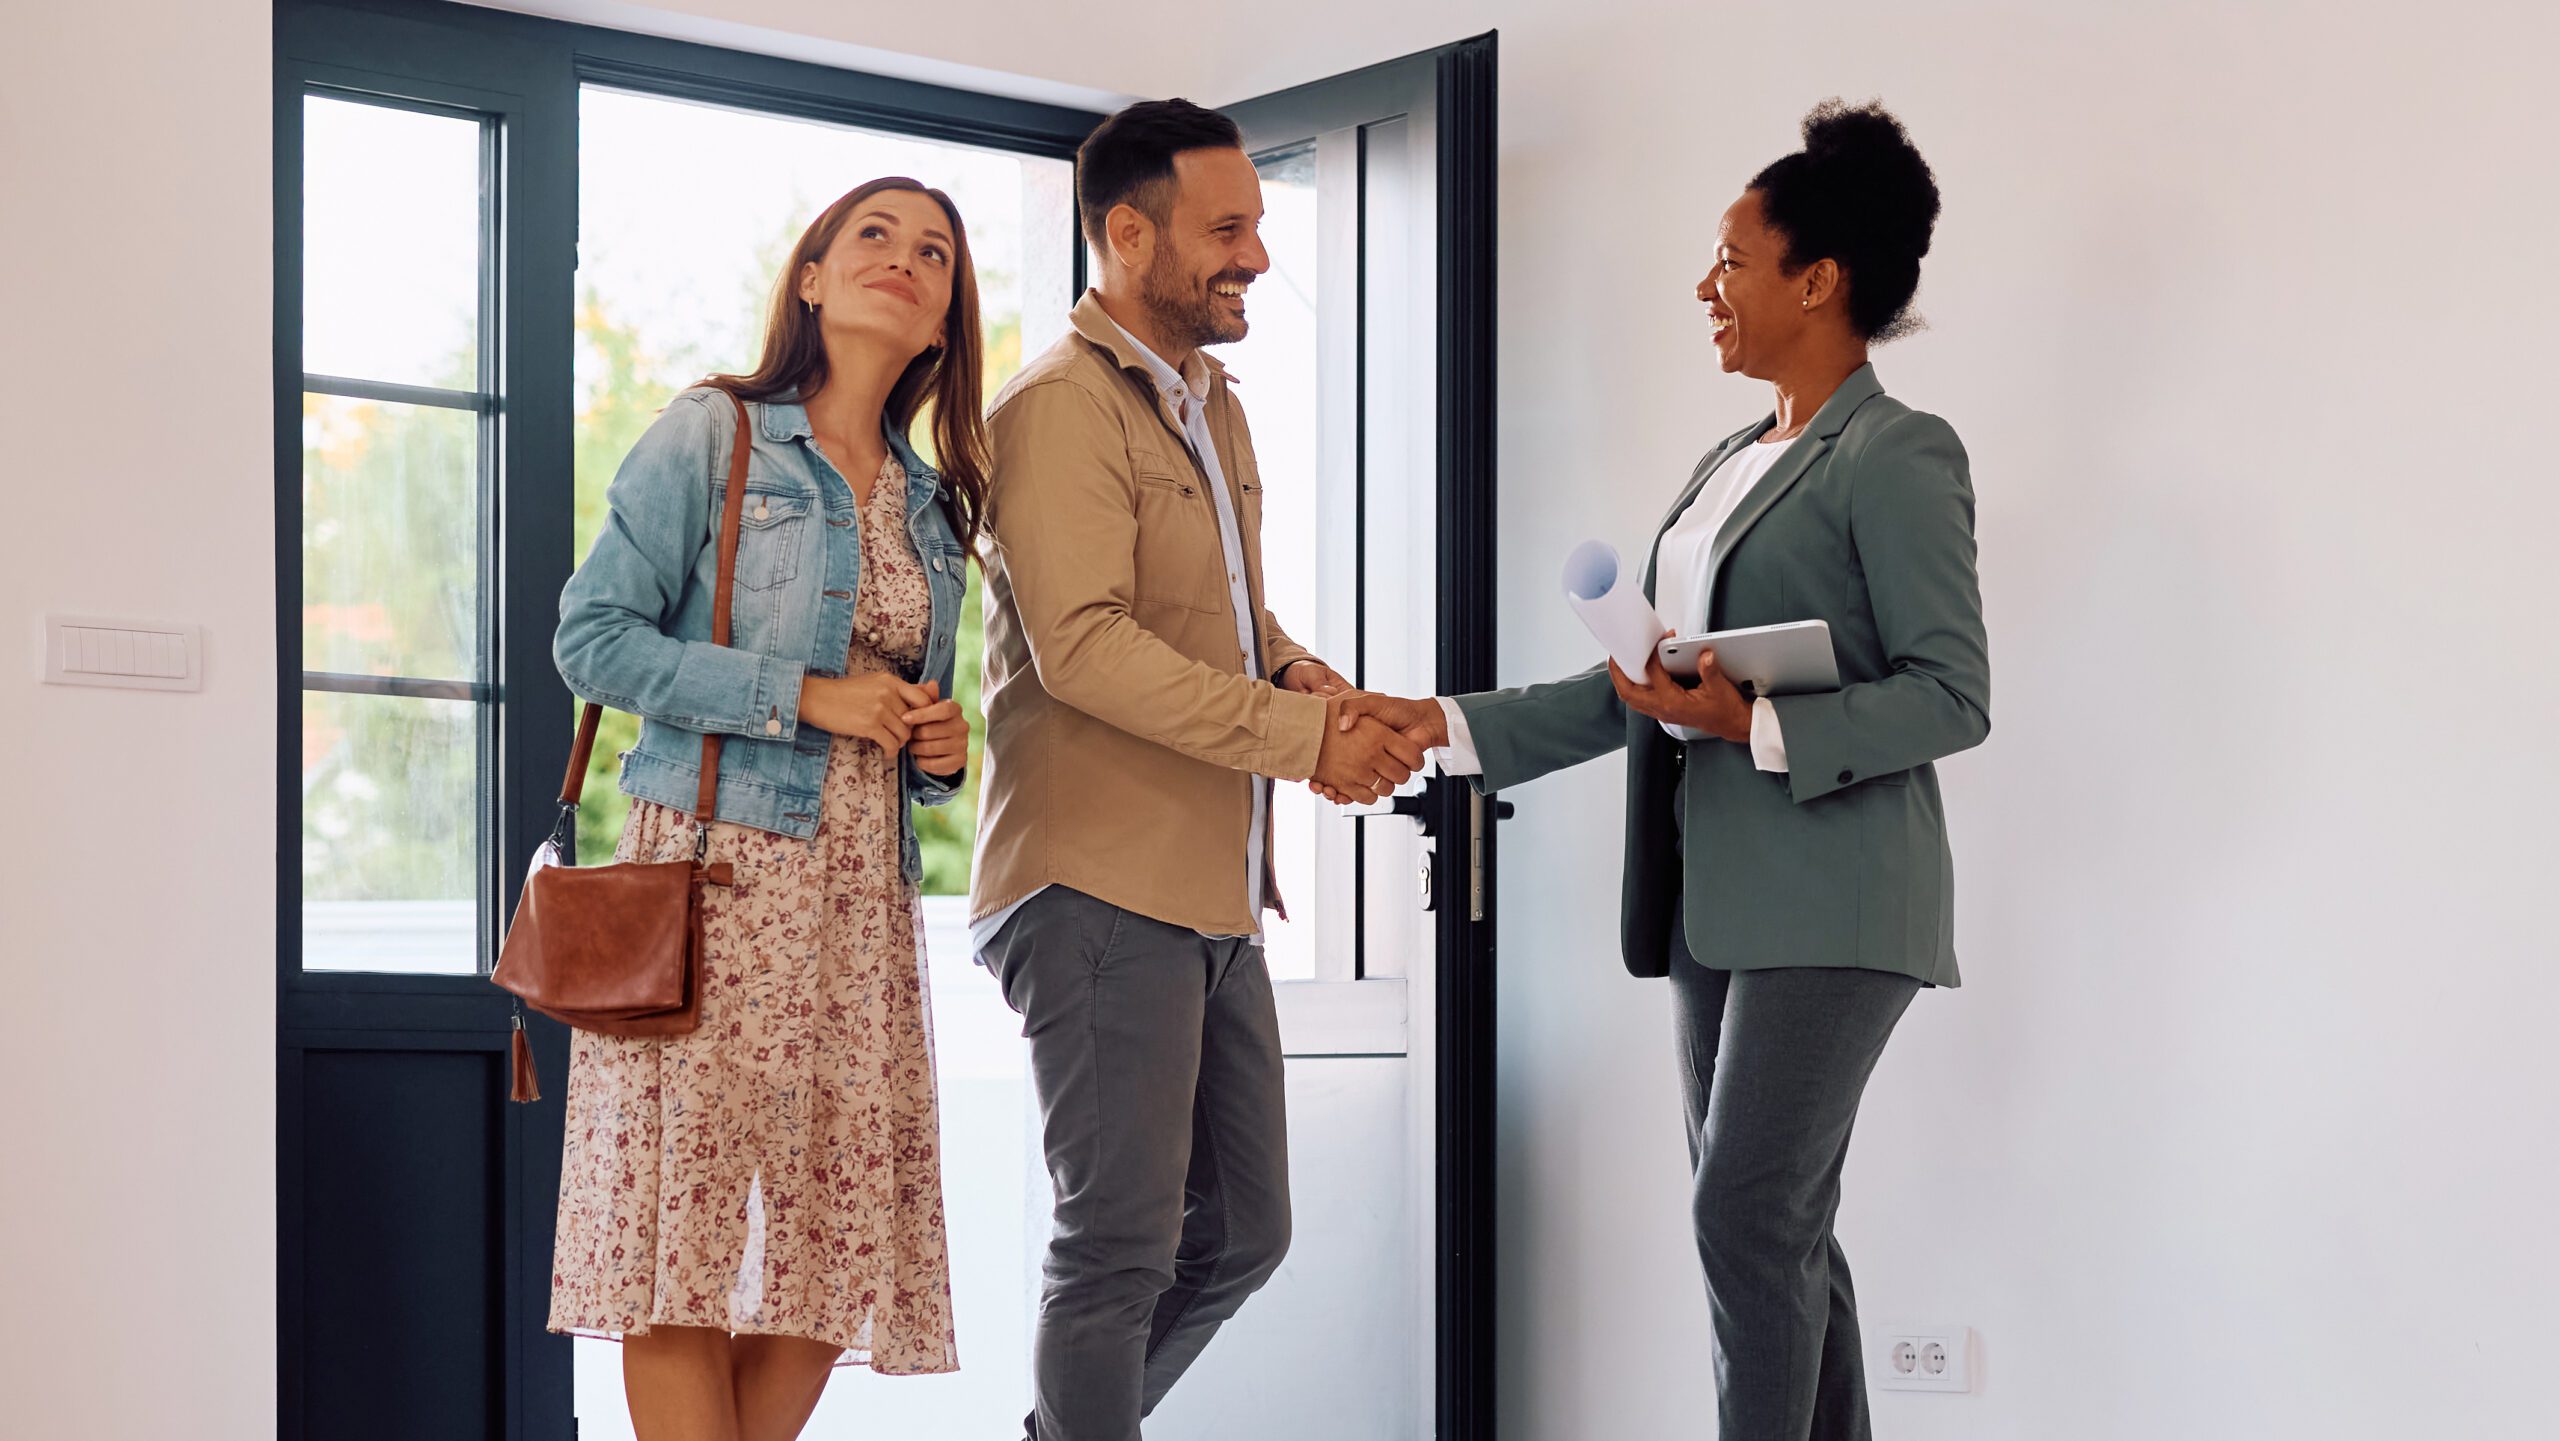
<point x="1786" y="858"/>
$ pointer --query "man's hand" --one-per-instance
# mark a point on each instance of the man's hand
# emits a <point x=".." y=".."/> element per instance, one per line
<point x="1313" y="677"/>
<point x="1420" y="721"/>
<point x="1712" y="705"/>
<point x="1362" y="760"/>
<point x="938" y="734"/>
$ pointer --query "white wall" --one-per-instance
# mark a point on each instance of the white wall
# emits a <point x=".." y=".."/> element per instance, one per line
<point x="2242" y="1127"/>
<point x="137" y="1215"/>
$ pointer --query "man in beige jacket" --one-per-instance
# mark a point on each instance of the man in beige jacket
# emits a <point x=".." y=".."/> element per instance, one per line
<point x="1139" y="699"/>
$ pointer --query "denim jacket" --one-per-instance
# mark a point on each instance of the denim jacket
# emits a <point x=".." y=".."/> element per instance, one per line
<point x="635" y="621"/>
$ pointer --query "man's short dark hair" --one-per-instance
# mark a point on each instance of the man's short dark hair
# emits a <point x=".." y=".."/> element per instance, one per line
<point x="1129" y="159"/>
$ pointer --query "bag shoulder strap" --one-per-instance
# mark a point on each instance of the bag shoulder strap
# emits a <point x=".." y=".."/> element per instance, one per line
<point x="732" y="510"/>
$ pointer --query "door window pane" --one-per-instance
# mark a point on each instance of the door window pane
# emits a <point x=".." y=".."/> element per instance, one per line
<point x="390" y="539"/>
<point x="1277" y="364"/>
<point x="390" y="828"/>
<point x="390" y="244"/>
<point x="673" y="282"/>
<point x="396" y="531"/>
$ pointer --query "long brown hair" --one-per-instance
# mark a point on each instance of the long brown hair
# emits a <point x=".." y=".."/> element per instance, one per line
<point x="952" y="375"/>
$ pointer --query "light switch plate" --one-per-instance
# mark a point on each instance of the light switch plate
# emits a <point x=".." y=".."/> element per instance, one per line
<point x="131" y="654"/>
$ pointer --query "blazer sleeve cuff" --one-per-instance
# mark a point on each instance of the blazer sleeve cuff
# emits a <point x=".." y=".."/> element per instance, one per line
<point x="1818" y="745"/>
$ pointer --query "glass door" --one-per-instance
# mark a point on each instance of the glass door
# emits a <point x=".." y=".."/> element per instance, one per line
<point x="1367" y="378"/>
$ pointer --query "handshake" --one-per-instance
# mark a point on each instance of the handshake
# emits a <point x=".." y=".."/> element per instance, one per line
<point x="1372" y="743"/>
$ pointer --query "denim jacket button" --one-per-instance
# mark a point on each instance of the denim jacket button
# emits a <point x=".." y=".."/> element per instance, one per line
<point x="937" y="565"/>
<point x="773" y="727"/>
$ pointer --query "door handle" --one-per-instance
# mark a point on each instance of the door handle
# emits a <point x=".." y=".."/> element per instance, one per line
<point x="1423" y="806"/>
<point x="1481" y="814"/>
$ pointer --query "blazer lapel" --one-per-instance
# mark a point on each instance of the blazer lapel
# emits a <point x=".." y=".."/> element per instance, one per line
<point x="1827" y="423"/>
<point x="1790" y="468"/>
<point x="1689" y="496"/>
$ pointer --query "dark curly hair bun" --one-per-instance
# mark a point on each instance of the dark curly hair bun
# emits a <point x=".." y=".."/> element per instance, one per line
<point x="1858" y="193"/>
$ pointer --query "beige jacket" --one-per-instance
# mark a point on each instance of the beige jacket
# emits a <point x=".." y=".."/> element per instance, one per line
<point x="1123" y="737"/>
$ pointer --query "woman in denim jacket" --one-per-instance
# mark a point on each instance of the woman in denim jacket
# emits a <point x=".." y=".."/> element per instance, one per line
<point x="751" y="1204"/>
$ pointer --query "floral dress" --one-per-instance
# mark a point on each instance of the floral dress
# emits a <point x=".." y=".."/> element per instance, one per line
<point x="778" y="1171"/>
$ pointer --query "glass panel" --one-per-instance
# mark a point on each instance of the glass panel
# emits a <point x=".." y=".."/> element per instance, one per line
<point x="1400" y="462"/>
<point x="390" y="832"/>
<point x="1278" y="360"/>
<point x="672" y="284"/>
<point x="681" y="276"/>
<point x="390" y="539"/>
<point x="390" y="244"/>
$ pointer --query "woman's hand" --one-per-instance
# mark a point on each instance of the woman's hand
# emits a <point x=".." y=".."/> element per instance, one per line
<point x="1711" y="705"/>
<point x="874" y="707"/>
<point x="938" y="734"/>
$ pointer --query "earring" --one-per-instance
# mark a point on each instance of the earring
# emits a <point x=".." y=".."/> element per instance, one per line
<point x="812" y="305"/>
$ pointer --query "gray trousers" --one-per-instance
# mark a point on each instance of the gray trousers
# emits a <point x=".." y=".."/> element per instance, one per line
<point x="1155" y="1053"/>
<point x="1772" y="1065"/>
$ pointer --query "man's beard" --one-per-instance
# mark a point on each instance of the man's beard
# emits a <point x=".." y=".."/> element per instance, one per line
<point x="1188" y="316"/>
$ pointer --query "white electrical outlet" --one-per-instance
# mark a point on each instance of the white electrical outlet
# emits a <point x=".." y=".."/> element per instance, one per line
<point x="1921" y="1358"/>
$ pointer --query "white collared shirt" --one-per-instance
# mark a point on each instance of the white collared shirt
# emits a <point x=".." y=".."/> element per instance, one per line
<point x="1680" y="594"/>
<point x="1186" y="393"/>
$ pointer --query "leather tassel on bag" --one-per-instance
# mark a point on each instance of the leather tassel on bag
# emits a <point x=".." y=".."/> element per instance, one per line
<point x="520" y="1054"/>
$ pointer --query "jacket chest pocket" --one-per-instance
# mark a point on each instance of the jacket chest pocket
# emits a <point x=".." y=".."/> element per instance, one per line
<point x="1178" y="558"/>
<point x="772" y="530"/>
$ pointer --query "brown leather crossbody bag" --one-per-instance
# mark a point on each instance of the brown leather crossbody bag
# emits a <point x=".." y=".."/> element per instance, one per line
<point x="617" y="949"/>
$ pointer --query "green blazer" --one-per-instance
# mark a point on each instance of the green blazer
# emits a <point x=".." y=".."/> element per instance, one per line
<point x="1866" y="523"/>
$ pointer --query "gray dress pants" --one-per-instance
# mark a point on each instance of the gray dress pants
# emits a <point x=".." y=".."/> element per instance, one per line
<point x="1772" y="1065"/>
<point x="1155" y="1053"/>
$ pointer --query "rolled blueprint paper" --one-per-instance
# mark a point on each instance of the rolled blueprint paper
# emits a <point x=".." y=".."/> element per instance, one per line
<point x="1612" y="604"/>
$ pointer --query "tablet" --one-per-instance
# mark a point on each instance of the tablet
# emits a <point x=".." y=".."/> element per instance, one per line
<point x="1789" y="659"/>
